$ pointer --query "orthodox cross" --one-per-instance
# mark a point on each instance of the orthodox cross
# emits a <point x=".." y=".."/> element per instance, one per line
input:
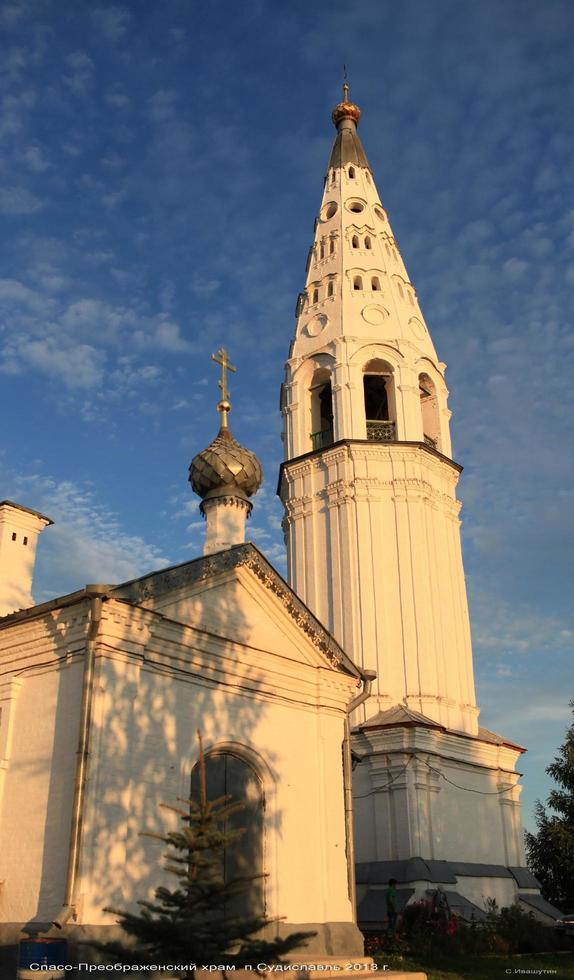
<point x="224" y="405"/>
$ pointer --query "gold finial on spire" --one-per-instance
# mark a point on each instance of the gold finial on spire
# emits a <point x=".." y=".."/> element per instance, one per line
<point x="345" y="85"/>
<point x="224" y="406"/>
<point x="345" y="109"/>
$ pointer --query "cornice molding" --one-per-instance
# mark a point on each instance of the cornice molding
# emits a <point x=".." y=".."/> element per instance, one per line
<point x="224" y="562"/>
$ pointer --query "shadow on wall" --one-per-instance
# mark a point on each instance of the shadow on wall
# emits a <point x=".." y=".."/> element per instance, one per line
<point x="143" y="748"/>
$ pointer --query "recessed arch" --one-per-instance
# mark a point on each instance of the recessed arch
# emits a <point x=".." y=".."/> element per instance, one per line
<point x="379" y="400"/>
<point x="430" y="414"/>
<point x="321" y="408"/>
<point x="228" y="772"/>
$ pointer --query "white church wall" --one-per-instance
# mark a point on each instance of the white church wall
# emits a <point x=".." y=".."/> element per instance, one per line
<point x="146" y="727"/>
<point x="37" y="792"/>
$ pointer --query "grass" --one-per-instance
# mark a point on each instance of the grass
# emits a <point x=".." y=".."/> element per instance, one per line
<point x="556" y="965"/>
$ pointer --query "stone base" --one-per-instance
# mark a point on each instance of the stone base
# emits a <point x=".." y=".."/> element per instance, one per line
<point x="341" y="940"/>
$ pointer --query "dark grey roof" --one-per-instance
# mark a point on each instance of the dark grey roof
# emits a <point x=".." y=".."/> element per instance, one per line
<point x="540" y="905"/>
<point x="372" y="909"/>
<point x="347" y="147"/>
<point x="463" y="908"/>
<point x="399" y="715"/>
<point x="470" y="870"/>
<point x="27" y="510"/>
<point x="413" y="869"/>
<point x="524" y="878"/>
<point x="438" y="872"/>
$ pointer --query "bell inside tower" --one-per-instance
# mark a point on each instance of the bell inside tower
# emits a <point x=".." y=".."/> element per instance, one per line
<point x="322" y="433"/>
<point x="379" y="402"/>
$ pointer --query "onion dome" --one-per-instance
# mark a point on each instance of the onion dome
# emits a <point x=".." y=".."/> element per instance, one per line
<point x="346" y="109"/>
<point x="225" y="468"/>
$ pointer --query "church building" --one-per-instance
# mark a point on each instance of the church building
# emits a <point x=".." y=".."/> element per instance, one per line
<point x="345" y="694"/>
<point x="372" y="530"/>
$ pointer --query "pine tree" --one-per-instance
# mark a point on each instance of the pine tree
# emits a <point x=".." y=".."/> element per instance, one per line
<point x="200" y="920"/>
<point x="551" y="849"/>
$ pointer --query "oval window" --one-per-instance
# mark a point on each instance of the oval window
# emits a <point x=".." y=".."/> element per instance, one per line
<point x="329" y="211"/>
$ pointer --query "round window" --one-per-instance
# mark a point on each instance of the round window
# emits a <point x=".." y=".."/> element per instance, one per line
<point x="356" y="206"/>
<point x="329" y="210"/>
<point x="380" y="214"/>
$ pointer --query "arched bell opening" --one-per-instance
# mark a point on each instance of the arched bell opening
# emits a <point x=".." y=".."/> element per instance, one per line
<point x="429" y="411"/>
<point x="379" y="398"/>
<point x="227" y="774"/>
<point x="322" y="426"/>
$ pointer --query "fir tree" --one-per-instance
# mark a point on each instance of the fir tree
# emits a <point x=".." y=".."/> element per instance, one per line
<point x="200" y="920"/>
<point x="551" y="849"/>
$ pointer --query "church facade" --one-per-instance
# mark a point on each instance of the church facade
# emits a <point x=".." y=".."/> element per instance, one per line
<point x="103" y="691"/>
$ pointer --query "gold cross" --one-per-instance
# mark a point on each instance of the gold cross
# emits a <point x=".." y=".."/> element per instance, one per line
<point x="224" y="406"/>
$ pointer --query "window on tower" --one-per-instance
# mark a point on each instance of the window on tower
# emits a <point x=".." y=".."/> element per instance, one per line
<point x="379" y="401"/>
<point x="376" y="284"/>
<point x="368" y="243"/>
<point x="429" y="411"/>
<point x="357" y="282"/>
<point x="332" y="247"/>
<point x="315" y="296"/>
<point x="355" y="241"/>
<point x="330" y="289"/>
<point x="351" y="172"/>
<point x="322" y="432"/>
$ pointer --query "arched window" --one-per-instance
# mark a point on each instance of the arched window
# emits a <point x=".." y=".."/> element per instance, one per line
<point x="355" y="241"/>
<point x="351" y="172"/>
<point x="315" y="296"/>
<point x="332" y="246"/>
<point x="368" y="243"/>
<point x="429" y="411"/>
<point x="330" y="289"/>
<point x="401" y="291"/>
<point x="322" y="431"/>
<point x="378" y="392"/>
<point x="227" y="774"/>
<point x="322" y="250"/>
<point x="375" y="284"/>
<point x="357" y="282"/>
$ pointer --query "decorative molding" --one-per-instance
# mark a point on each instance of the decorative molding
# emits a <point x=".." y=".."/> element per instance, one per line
<point x="241" y="556"/>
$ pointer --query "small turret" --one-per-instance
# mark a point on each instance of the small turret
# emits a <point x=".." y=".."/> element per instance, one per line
<point x="225" y="475"/>
<point x="19" y="530"/>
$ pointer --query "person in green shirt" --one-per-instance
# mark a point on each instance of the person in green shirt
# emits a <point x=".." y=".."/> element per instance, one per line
<point x="391" y="900"/>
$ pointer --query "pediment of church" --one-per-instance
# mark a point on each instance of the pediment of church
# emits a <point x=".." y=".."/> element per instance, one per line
<point x="238" y="595"/>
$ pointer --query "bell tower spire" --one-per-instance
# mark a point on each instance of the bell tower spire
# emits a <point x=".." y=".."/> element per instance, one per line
<point x="368" y="481"/>
<point x="373" y="538"/>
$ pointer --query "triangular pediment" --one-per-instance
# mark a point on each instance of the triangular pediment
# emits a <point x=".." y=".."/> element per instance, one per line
<point x="238" y="595"/>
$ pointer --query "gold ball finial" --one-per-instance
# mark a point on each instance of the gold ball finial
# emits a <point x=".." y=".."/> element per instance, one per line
<point x="346" y="109"/>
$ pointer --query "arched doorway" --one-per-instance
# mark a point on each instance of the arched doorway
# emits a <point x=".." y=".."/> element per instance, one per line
<point x="227" y="774"/>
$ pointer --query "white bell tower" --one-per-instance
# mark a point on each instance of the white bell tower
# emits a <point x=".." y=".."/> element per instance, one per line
<point x="368" y="483"/>
<point x="373" y="536"/>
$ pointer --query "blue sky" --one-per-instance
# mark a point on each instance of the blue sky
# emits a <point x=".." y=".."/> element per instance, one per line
<point x="161" y="166"/>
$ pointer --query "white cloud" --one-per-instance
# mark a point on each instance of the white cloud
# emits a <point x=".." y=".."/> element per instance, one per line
<point x="18" y="200"/>
<point x="113" y="22"/>
<point x="77" y="367"/>
<point x="35" y="160"/>
<point x="87" y="542"/>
